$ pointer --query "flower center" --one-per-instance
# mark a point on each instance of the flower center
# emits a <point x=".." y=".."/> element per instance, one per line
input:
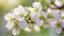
<point x="28" y="11"/>
<point x="21" y="14"/>
<point x="42" y="18"/>
<point x="50" y="16"/>
<point x="12" y="19"/>
<point x="35" y="9"/>
<point x="58" y="25"/>
<point x="28" y="18"/>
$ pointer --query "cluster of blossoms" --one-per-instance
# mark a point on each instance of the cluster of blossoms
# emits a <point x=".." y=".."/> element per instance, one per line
<point x="28" y="18"/>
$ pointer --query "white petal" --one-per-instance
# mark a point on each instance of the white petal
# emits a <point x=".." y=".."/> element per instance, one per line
<point x="15" y="12"/>
<point x="56" y="14"/>
<point x="10" y="25"/>
<point x="33" y="14"/>
<point x="38" y="14"/>
<point x="36" y="28"/>
<point x="63" y="23"/>
<point x="22" y="24"/>
<point x="25" y="13"/>
<point x="44" y="14"/>
<point x="22" y="10"/>
<point x="53" y="22"/>
<point x="59" y="30"/>
<point x="31" y="9"/>
<point x="35" y="4"/>
<point x="28" y="29"/>
<point x="39" y="22"/>
<point x="16" y="31"/>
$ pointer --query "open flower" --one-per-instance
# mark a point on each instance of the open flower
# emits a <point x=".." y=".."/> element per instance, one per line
<point x="58" y="24"/>
<point x="20" y="12"/>
<point x="38" y="6"/>
<point x="9" y="17"/>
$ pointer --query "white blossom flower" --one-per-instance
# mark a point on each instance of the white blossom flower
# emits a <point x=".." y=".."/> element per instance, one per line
<point x="9" y="17"/>
<point x="20" y="9"/>
<point x="16" y="31"/>
<point x="55" y="13"/>
<point x="58" y="25"/>
<point x="20" y="12"/>
<point x="35" y="12"/>
<point x="43" y="13"/>
<point x="58" y="3"/>
<point x="28" y="18"/>
<point x="37" y="5"/>
<point x="35" y="18"/>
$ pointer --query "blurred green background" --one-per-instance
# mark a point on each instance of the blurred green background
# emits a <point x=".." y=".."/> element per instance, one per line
<point x="7" y="6"/>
